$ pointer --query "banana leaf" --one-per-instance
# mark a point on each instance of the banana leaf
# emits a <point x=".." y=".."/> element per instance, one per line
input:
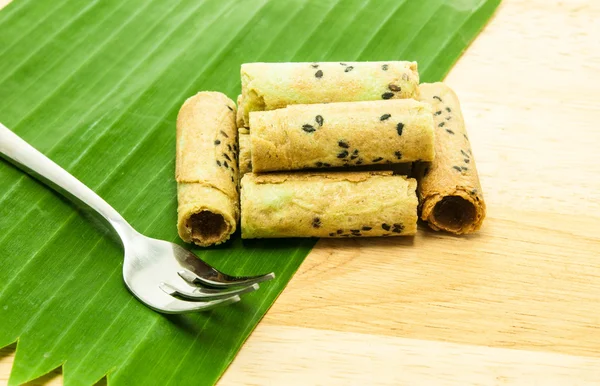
<point x="96" y="86"/>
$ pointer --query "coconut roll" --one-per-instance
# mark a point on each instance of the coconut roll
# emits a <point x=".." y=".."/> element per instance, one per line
<point x="449" y="190"/>
<point x="346" y="204"/>
<point x="341" y="135"/>
<point x="270" y="86"/>
<point x="206" y="169"/>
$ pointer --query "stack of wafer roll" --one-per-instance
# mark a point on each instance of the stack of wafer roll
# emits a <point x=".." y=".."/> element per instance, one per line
<point x="314" y="141"/>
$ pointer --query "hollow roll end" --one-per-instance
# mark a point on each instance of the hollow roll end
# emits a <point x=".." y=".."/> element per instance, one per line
<point x="459" y="212"/>
<point x="211" y="222"/>
<point x="205" y="228"/>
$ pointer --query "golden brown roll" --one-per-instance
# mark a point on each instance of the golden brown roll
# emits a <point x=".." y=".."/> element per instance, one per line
<point x="270" y="86"/>
<point x="350" y="204"/>
<point x="341" y="134"/>
<point x="449" y="190"/>
<point x="206" y="169"/>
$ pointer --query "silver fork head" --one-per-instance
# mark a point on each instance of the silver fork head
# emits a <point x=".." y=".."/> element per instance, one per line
<point x="170" y="279"/>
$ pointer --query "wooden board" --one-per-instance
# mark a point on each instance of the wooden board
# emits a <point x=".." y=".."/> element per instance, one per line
<point x="518" y="303"/>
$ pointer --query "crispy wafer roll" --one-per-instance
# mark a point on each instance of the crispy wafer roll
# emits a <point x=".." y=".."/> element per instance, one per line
<point x="328" y="205"/>
<point x="245" y="160"/>
<point x="206" y="170"/>
<point x="341" y="134"/>
<point x="270" y="86"/>
<point x="449" y="191"/>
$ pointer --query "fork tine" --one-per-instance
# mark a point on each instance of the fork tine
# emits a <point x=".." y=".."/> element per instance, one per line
<point x="205" y="294"/>
<point x="218" y="279"/>
<point x="178" y="306"/>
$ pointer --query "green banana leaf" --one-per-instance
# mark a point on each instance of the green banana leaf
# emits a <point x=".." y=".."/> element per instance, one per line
<point x="96" y="86"/>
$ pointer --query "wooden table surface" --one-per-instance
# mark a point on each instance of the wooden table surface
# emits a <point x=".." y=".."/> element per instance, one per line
<point x="518" y="303"/>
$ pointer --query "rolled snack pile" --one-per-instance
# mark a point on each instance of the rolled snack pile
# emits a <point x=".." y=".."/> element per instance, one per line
<point x="328" y="205"/>
<point x="245" y="160"/>
<point x="270" y="86"/>
<point x="449" y="191"/>
<point x="341" y="134"/>
<point x="206" y="169"/>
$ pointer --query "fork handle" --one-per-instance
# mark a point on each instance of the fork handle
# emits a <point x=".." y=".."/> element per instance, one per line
<point x="21" y="154"/>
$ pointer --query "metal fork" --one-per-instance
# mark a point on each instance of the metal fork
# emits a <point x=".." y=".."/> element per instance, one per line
<point x="165" y="276"/>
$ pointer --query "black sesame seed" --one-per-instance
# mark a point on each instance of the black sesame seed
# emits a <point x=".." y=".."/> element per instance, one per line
<point x="467" y="138"/>
<point x="229" y="107"/>
<point x="464" y="168"/>
<point x="319" y="120"/>
<point x="457" y="168"/>
<point x="359" y="161"/>
<point x="331" y="234"/>
<point x="437" y="97"/>
<point x="384" y="117"/>
<point x="314" y="65"/>
<point x="448" y="109"/>
<point x="353" y="156"/>
<point x="355" y="152"/>
<point x="316" y="222"/>
<point x="394" y="87"/>
<point x="343" y="144"/>
<point x="325" y="164"/>
<point x="464" y="153"/>
<point x="343" y="64"/>
<point x="398" y="155"/>
<point x="448" y="118"/>
<point x="399" y="128"/>
<point x="474" y="191"/>
<point x="229" y="147"/>
<point x="226" y="157"/>
<point x="449" y="131"/>
<point x="343" y="154"/>
<point x="225" y="164"/>
<point x="378" y="159"/>
<point x="387" y="95"/>
<point x="355" y="230"/>
<point x="224" y="134"/>
<point x="348" y="69"/>
<point x="467" y="160"/>
<point x="340" y="231"/>
<point x="384" y="67"/>
<point x="232" y="180"/>
<point x="366" y="228"/>
<point x="441" y="124"/>
<point x="319" y="164"/>
<point x="308" y="128"/>
<point x="438" y="112"/>
<point x="398" y="228"/>
<point x="386" y="226"/>
<point x="319" y="74"/>
<point x="218" y="163"/>
<point x="217" y="142"/>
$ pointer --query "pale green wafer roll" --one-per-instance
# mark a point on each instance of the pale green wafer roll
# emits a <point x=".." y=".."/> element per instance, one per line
<point x="356" y="204"/>
<point x="270" y="86"/>
<point x="244" y="158"/>
<point x="341" y="134"/>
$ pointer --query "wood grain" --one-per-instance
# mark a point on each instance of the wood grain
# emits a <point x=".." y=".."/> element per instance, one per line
<point x="515" y="304"/>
